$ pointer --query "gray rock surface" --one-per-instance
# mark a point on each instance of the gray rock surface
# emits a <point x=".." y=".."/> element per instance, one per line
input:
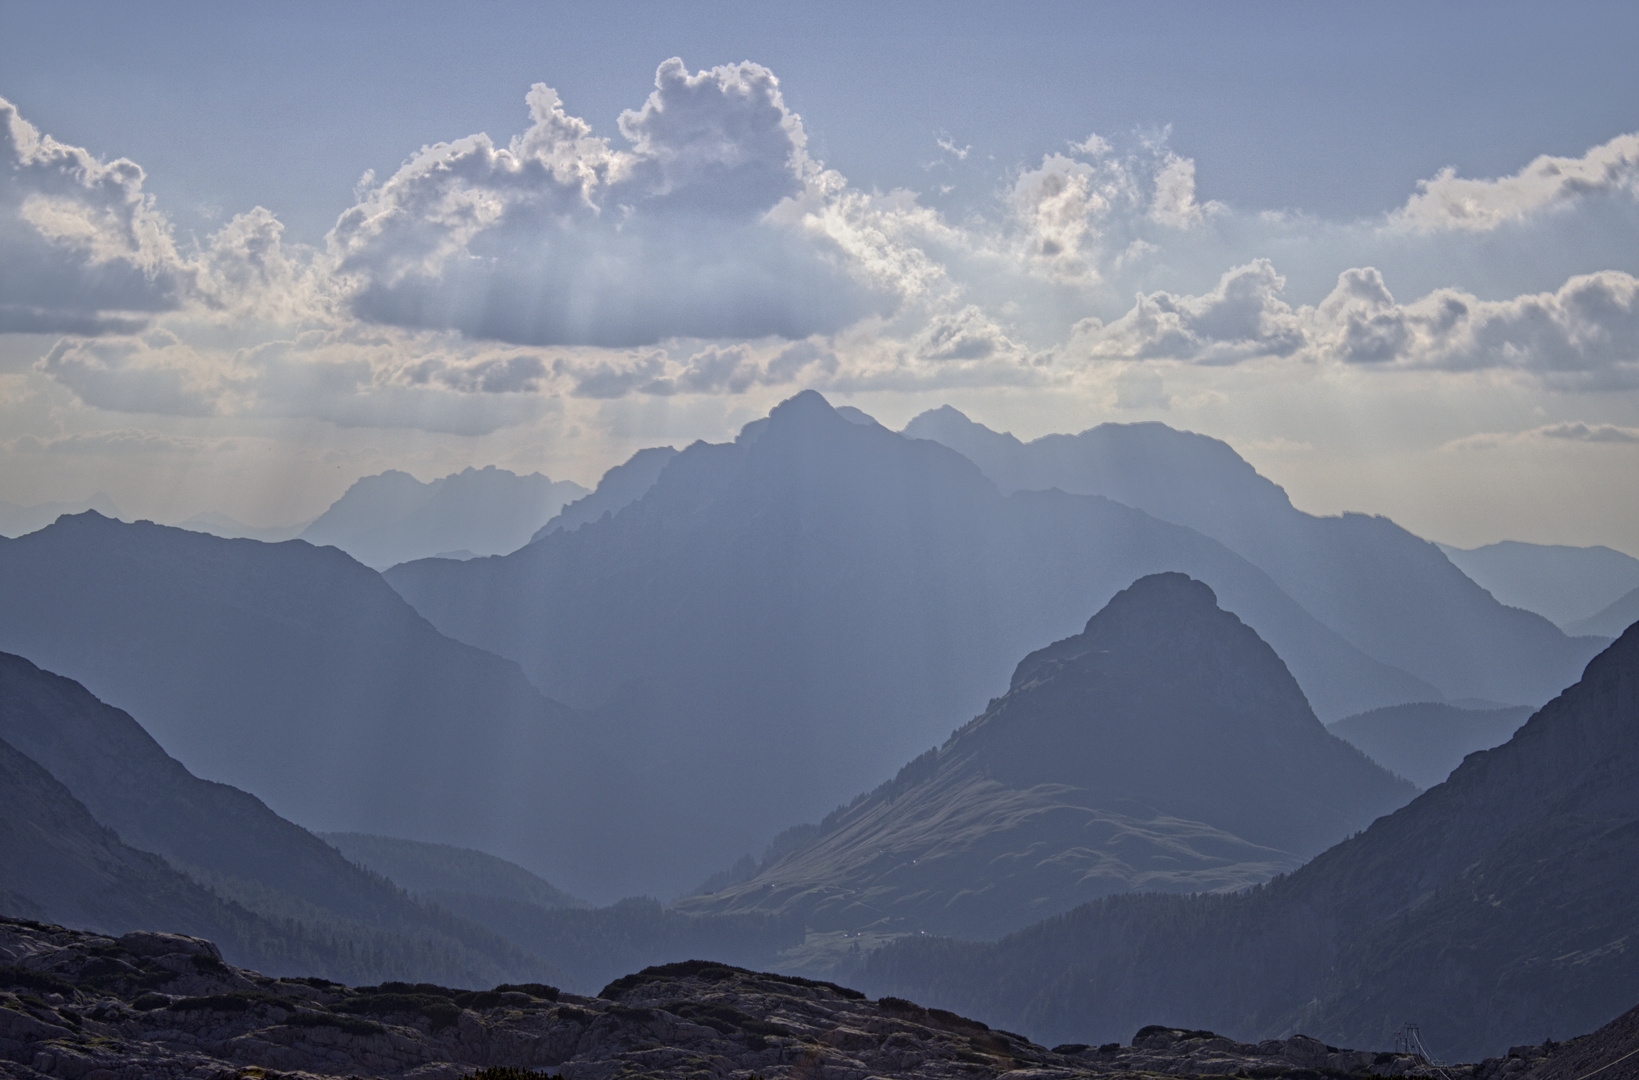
<point x="87" y="1007"/>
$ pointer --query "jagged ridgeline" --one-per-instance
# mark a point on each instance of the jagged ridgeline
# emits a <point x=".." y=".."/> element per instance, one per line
<point x="1164" y="748"/>
<point x="1498" y="907"/>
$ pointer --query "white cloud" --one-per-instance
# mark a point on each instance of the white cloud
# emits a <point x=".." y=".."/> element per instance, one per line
<point x="1450" y="202"/>
<point x="82" y="248"/>
<point x="1242" y="318"/>
<point x="1079" y="213"/>
<point x="1583" y="336"/>
<point x="559" y="239"/>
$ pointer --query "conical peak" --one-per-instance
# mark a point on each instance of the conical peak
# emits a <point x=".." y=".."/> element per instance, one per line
<point x="1168" y="592"/>
<point x="1161" y="615"/>
<point x="808" y="403"/>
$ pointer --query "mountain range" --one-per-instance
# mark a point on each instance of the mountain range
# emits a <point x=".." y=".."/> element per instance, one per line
<point x="779" y="622"/>
<point x="16" y="520"/>
<point x="392" y="517"/>
<point x="1165" y="748"/>
<point x="1565" y="584"/>
<point x="1396" y="597"/>
<point x="296" y="673"/>
<point x="105" y="830"/>
<point x="1622" y="613"/>
<point x="1495" y="908"/>
<point x="1423" y="742"/>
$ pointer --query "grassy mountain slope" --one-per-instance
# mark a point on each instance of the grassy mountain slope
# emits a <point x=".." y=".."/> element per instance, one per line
<point x="1496" y="908"/>
<point x="1164" y="748"/>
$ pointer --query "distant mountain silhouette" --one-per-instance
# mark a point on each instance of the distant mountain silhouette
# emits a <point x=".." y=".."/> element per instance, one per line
<point x="17" y="520"/>
<point x="1613" y="620"/>
<point x="586" y="946"/>
<point x="392" y="517"/>
<point x="779" y="622"/>
<point x="1395" y="596"/>
<point x="1164" y="748"/>
<point x="297" y="674"/>
<point x="435" y="869"/>
<point x="620" y="487"/>
<point x="1496" y="909"/>
<point x="1423" y="742"/>
<point x="1564" y="584"/>
<point x="232" y="529"/>
<point x="58" y="862"/>
<point x="283" y="883"/>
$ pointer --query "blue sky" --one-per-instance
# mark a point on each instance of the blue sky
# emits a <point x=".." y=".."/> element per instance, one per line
<point x="1325" y="234"/>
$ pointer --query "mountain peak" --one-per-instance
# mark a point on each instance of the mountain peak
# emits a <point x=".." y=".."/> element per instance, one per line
<point x="1156" y="619"/>
<point x="808" y="403"/>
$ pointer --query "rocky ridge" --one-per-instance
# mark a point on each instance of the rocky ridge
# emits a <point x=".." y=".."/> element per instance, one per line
<point x="89" y="1007"/>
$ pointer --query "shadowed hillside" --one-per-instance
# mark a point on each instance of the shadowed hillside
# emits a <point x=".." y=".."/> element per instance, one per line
<point x="1395" y="596"/>
<point x="297" y="674"/>
<point x="392" y="517"/>
<point x="1164" y="748"/>
<point x="1495" y="909"/>
<point x="780" y="622"/>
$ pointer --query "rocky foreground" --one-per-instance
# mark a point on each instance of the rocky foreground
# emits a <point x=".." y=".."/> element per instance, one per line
<point x="90" y="1007"/>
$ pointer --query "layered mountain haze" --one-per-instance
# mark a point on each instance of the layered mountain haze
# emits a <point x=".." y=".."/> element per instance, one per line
<point x="1391" y="594"/>
<point x="1497" y="908"/>
<point x="17" y="520"/>
<point x="1164" y="748"/>
<point x="779" y="622"/>
<point x="1615" y="619"/>
<point x="1423" y="742"/>
<point x="1565" y="584"/>
<point x="296" y="674"/>
<point x="621" y="486"/>
<point x="392" y="517"/>
<point x="107" y="831"/>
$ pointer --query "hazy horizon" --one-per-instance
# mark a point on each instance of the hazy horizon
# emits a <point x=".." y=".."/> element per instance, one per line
<point x="1386" y="254"/>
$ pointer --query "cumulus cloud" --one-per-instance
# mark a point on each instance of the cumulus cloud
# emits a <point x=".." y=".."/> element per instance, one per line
<point x="353" y="376"/>
<point x="560" y="239"/>
<point x="1449" y="202"/>
<point x="82" y="248"/>
<point x="1080" y="211"/>
<point x="1242" y="318"/>
<point x="1583" y="336"/>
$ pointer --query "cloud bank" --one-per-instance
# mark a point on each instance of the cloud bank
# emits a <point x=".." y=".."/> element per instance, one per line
<point x="705" y="252"/>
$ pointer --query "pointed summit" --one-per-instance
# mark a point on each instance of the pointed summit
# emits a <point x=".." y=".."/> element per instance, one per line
<point x="1164" y="748"/>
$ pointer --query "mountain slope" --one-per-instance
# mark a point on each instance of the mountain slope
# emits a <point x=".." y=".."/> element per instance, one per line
<point x="1613" y="620"/>
<point x="297" y="674"/>
<point x="620" y="487"/>
<point x="778" y="623"/>
<point x="17" y="520"/>
<point x="392" y="517"/>
<point x="222" y="836"/>
<point x="1395" y="596"/>
<point x="439" y="868"/>
<point x="1424" y="741"/>
<point x="1497" y="908"/>
<point x="55" y="855"/>
<point x="1562" y="583"/>
<point x="1164" y="748"/>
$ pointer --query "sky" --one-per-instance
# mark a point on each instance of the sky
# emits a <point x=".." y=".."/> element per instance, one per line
<point x="250" y="253"/>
